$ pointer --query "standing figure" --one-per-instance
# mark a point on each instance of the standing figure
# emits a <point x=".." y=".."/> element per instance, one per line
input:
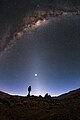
<point x="29" y="90"/>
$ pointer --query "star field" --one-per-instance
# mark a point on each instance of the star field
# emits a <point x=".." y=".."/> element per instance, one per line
<point x="39" y="47"/>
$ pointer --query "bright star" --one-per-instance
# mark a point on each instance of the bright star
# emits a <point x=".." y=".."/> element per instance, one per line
<point x="35" y="75"/>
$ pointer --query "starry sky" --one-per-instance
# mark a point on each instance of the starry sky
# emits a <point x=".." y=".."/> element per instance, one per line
<point x="52" y="52"/>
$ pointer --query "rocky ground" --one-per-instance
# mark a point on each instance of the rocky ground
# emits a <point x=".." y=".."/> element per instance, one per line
<point x="65" y="107"/>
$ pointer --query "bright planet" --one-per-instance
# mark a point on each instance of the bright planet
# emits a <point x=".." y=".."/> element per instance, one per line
<point x="35" y="75"/>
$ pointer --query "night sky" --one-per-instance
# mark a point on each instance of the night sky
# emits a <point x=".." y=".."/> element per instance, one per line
<point x="52" y="52"/>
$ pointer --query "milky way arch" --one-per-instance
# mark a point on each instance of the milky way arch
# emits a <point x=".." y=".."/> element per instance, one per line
<point x="33" y="22"/>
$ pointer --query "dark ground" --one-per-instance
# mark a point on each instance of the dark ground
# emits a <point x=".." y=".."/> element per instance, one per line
<point x="41" y="108"/>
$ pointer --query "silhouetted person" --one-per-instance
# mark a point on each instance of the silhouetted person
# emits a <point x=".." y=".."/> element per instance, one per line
<point x="29" y="90"/>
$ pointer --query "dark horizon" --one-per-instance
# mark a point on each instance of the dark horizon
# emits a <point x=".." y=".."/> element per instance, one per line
<point x="3" y="93"/>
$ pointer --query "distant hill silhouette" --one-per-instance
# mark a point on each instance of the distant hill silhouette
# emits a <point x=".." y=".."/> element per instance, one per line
<point x="3" y="94"/>
<point x="63" y="107"/>
<point x="69" y="94"/>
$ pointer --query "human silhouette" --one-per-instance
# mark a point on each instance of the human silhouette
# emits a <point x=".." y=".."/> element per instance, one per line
<point x="29" y="90"/>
